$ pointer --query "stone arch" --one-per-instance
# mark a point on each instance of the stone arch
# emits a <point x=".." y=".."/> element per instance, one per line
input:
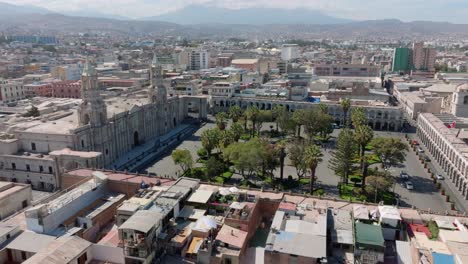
<point x="465" y="99"/>
<point x="174" y="121"/>
<point x="391" y="126"/>
<point x="377" y="125"/>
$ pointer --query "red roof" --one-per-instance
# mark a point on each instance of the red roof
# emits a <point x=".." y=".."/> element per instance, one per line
<point x="287" y="206"/>
<point x="413" y="228"/>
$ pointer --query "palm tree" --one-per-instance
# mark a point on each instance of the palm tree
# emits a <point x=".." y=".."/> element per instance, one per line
<point x="282" y="155"/>
<point x="312" y="157"/>
<point x="345" y="106"/>
<point x="221" y="119"/>
<point x="363" y="136"/>
<point x="251" y="114"/>
<point x="237" y="131"/>
<point x="235" y="113"/>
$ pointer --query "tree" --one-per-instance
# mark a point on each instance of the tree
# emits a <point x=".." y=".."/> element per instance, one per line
<point x="210" y="139"/>
<point x="281" y="156"/>
<point x="251" y="114"/>
<point x="246" y="156"/>
<point x="183" y="158"/>
<point x="279" y="114"/>
<point x="235" y="113"/>
<point x="299" y="118"/>
<point x="358" y="117"/>
<point x="237" y="131"/>
<point x="345" y="106"/>
<point x="263" y="116"/>
<point x="342" y="159"/>
<point x="226" y="138"/>
<point x="32" y="112"/>
<point x="296" y="156"/>
<point x="390" y="151"/>
<point x="214" y="167"/>
<point x="221" y="119"/>
<point x="363" y="135"/>
<point x="312" y="157"/>
<point x="377" y="185"/>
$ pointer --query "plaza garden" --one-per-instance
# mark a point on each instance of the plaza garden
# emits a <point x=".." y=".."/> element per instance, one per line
<point x="241" y="147"/>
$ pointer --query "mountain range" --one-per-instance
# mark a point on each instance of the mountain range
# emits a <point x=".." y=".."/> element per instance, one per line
<point x="198" y="14"/>
<point x="198" y="21"/>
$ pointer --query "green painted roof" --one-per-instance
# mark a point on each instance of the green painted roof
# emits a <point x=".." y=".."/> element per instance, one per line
<point x="367" y="234"/>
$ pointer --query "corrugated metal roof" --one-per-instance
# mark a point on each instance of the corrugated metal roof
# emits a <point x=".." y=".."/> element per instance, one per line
<point x="142" y="221"/>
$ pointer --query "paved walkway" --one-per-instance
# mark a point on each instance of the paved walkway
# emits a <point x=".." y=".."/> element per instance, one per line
<point x="147" y="151"/>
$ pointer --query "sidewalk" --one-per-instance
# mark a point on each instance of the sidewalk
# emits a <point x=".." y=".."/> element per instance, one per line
<point x="460" y="203"/>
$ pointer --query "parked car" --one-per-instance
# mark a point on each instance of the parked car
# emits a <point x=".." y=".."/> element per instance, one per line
<point x="420" y="150"/>
<point x="439" y="177"/>
<point x="415" y="143"/>
<point x="426" y="158"/>
<point x="404" y="175"/>
<point x="409" y="185"/>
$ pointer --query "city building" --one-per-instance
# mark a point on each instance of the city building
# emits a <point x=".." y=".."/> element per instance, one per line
<point x="199" y="59"/>
<point x="97" y="133"/>
<point x="67" y="72"/>
<point x="447" y="145"/>
<point x="361" y="70"/>
<point x="11" y="91"/>
<point x="246" y="64"/>
<point x="13" y="198"/>
<point x="289" y="52"/>
<point x="423" y="57"/>
<point x="402" y="60"/>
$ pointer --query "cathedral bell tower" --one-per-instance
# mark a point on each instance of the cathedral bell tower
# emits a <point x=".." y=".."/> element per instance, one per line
<point x="92" y="109"/>
<point x="156" y="92"/>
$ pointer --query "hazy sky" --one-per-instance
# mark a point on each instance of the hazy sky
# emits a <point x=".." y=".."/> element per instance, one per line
<point x="406" y="10"/>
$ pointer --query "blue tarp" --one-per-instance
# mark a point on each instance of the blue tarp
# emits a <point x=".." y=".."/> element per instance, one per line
<point x="439" y="258"/>
<point x="314" y="99"/>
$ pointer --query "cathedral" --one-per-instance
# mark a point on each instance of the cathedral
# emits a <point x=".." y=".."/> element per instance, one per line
<point x="96" y="134"/>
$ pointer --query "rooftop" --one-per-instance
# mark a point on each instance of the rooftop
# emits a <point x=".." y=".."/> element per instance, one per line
<point x="232" y="236"/>
<point x="368" y="234"/>
<point x="142" y="221"/>
<point x="30" y="242"/>
<point x="59" y="251"/>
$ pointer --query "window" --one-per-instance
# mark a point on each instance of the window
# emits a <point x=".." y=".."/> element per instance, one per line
<point x="23" y="255"/>
<point x="465" y="99"/>
<point x="41" y="168"/>
<point x="51" y="170"/>
<point x="8" y="236"/>
<point x="83" y="258"/>
<point x="25" y="203"/>
<point x="13" y="166"/>
<point x="82" y="143"/>
<point x="33" y="146"/>
<point x="28" y="168"/>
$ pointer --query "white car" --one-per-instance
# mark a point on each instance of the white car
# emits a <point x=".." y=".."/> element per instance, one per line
<point x="409" y="185"/>
<point x="439" y="177"/>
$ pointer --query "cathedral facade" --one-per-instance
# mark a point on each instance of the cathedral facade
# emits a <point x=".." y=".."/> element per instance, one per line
<point x="95" y="134"/>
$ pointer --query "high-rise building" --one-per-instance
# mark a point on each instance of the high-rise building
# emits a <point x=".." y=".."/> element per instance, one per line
<point x="423" y="58"/>
<point x="402" y="60"/>
<point x="199" y="59"/>
<point x="289" y="52"/>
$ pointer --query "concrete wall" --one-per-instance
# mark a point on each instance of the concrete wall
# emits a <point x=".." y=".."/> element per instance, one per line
<point x="14" y="202"/>
<point x="53" y="220"/>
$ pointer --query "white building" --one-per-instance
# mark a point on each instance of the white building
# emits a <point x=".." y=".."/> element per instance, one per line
<point x="289" y="52"/>
<point x="447" y="145"/>
<point x="11" y="91"/>
<point x="199" y="59"/>
<point x="223" y="89"/>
